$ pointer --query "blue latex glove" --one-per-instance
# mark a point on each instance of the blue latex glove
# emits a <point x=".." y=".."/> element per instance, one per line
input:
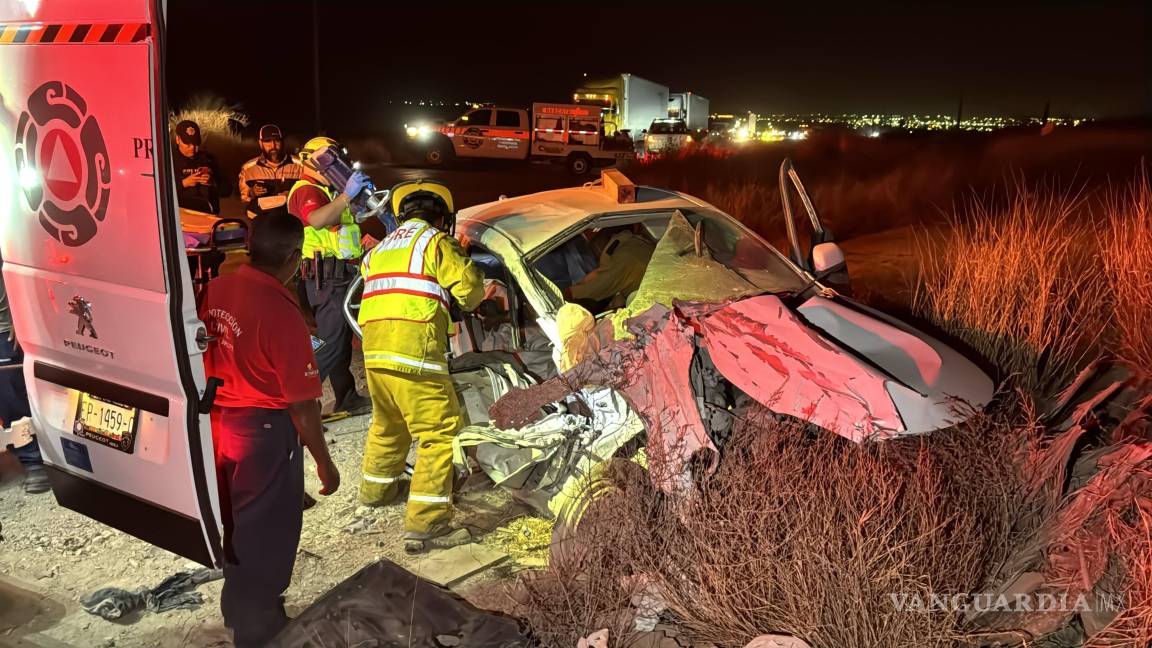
<point x="356" y="183"/>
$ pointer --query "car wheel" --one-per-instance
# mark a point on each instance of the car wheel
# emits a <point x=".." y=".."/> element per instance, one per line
<point x="574" y="533"/>
<point x="436" y="155"/>
<point x="579" y="164"/>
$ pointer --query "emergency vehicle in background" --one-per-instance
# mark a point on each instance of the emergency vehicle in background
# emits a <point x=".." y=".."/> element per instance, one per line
<point x="563" y="133"/>
<point x="96" y="271"/>
<point x="626" y="101"/>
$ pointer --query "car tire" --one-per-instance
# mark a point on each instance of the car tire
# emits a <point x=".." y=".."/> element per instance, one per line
<point x="579" y="164"/>
<point x="573" y="543"/>
<point x="436" y="154"/>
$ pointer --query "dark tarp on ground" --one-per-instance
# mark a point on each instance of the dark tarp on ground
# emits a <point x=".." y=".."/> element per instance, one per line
<point x="386" y="606"/>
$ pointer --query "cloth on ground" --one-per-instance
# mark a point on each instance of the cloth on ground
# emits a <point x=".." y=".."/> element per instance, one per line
<point x="171" y="594"/>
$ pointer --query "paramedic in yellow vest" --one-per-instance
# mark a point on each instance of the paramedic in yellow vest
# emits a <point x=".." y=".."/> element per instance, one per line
<point x="331" y="255"/>
<point x="410" y="280"/>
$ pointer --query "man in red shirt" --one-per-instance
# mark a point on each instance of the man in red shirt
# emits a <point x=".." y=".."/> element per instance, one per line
<point x="265" y="408"/>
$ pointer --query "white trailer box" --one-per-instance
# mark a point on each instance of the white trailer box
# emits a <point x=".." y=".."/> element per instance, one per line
<point x="628" y="101"/>
<point x="690" y="107"/>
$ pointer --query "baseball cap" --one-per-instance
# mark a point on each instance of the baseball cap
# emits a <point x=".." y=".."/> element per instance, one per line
<point x="270" y="132"/>
<point x="188" y="132"/>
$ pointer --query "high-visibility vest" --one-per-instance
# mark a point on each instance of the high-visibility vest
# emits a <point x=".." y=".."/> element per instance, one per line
<point x="400" y="276"/>
<point x="341" y="241"/>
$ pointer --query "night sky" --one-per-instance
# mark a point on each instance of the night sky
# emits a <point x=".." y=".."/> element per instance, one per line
<point x="1088" y="57"/>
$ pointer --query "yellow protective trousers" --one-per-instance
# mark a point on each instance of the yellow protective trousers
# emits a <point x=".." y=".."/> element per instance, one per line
<point x="409" y="406"/>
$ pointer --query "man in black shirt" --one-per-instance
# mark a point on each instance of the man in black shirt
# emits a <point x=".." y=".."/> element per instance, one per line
<point x="196" y="171"/>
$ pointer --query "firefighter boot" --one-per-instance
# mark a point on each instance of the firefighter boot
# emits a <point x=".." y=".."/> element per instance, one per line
<point x="442" y="537"/>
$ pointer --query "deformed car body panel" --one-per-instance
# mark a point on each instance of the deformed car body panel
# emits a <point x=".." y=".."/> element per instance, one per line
<point x="932" y="383"/>
<point x="764" y="349"/>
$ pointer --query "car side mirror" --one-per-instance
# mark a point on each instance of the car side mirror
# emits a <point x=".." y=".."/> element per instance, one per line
<point x="827" y="257"/>
<point x="830" y="266"/>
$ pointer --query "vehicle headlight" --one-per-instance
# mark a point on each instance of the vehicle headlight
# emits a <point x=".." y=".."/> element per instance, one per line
<point x="423" y="130"/>
<point x="411" y="131"/>
<point x="650" y="139"/>
<point x="688" y="139"/>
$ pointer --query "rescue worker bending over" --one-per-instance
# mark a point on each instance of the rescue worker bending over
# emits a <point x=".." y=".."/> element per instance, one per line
<point x="331" y="251"/>
<point x="265" y="407"/>
<point x="269" y="173"/>
<point x="624" y="257"/>
<point x="410" y="279"/>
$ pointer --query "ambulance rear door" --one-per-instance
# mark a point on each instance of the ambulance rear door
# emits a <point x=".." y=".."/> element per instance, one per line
<point x="96" y="272"/>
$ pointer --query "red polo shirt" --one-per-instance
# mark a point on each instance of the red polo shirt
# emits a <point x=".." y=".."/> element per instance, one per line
<point x="305" y="200"/>
<point x="262" y="351"/>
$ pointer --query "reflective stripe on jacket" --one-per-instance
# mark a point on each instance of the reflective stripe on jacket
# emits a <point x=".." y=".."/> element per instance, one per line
<point x="409" y="280"/>
<point x="341" y="241"/>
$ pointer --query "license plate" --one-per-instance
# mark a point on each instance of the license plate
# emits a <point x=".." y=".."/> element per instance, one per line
<point x="106" y="422"/>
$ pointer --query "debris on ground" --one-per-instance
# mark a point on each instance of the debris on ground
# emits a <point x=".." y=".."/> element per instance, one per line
<point x="1094" y="473"/>
<point x="526" y="540"/>
<point x="777" y="641"/>
<point x="598" y="639"/>
<point x="174" y="593"/>
<point x="385" y="604"/>
<point x="450" y="566"/>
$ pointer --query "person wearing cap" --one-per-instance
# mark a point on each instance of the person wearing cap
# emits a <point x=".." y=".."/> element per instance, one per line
<point x="270" y="173"/>
<point x="331" y="255"/>
<point x="410" y="280"/>
<point x="197" y="175"/>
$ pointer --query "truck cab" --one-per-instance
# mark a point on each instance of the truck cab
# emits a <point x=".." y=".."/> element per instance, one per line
<point x="490" y="132"/>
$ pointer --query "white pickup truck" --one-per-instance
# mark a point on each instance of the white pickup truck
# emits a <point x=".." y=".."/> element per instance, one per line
<point x="563" y="133"/>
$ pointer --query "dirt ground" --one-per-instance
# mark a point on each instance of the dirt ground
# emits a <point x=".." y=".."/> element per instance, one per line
<point x="50" y="557"/>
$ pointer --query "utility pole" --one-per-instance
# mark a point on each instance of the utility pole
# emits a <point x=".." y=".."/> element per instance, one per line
<point x="1047" y="112"/>
<point x="960" y="112"/>
<point x="317" y="126"/>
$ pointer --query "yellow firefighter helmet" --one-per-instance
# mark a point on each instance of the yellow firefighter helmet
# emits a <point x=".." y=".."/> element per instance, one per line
<point x="315" y="144"/>
<point x="422" y="197"/>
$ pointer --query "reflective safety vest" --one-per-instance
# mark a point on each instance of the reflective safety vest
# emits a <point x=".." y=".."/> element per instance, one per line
<point x="401" y="285"/>
<point x="400" y="277"/>
<point x="341" y="241"/>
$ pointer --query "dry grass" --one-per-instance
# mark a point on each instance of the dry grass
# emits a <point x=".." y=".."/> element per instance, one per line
<point x="1133" y="627"/>
<point x="810" y="536"/>
<point x="219" y="120"/>
<point x="1021" y="284"/>
<point x="863" y="185"/>
<point x="1127" y="254"/>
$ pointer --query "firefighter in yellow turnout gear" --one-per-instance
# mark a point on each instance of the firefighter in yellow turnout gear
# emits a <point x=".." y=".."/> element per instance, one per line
<point x="410" y="279"/>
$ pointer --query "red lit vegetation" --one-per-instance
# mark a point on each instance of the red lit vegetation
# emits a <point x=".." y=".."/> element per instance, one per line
<point x="803" y="533"/>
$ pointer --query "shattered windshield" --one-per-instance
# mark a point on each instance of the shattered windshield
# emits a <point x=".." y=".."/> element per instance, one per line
<point x="750" y="257"/>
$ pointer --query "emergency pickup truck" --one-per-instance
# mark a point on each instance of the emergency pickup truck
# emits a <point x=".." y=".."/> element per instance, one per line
<point x="561" y="133"/>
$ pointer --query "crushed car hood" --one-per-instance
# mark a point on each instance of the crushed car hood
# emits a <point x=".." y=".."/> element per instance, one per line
<point x="844" y="367"/>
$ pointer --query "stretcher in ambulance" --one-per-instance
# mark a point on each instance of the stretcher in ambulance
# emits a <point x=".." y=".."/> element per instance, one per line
<point x="97" y="273"/>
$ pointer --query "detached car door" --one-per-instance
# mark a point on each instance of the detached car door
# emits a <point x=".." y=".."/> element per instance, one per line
<point x="96" y="272"/>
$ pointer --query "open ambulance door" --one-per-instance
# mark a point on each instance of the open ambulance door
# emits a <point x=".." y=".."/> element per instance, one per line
<point x="96" y="273"/>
